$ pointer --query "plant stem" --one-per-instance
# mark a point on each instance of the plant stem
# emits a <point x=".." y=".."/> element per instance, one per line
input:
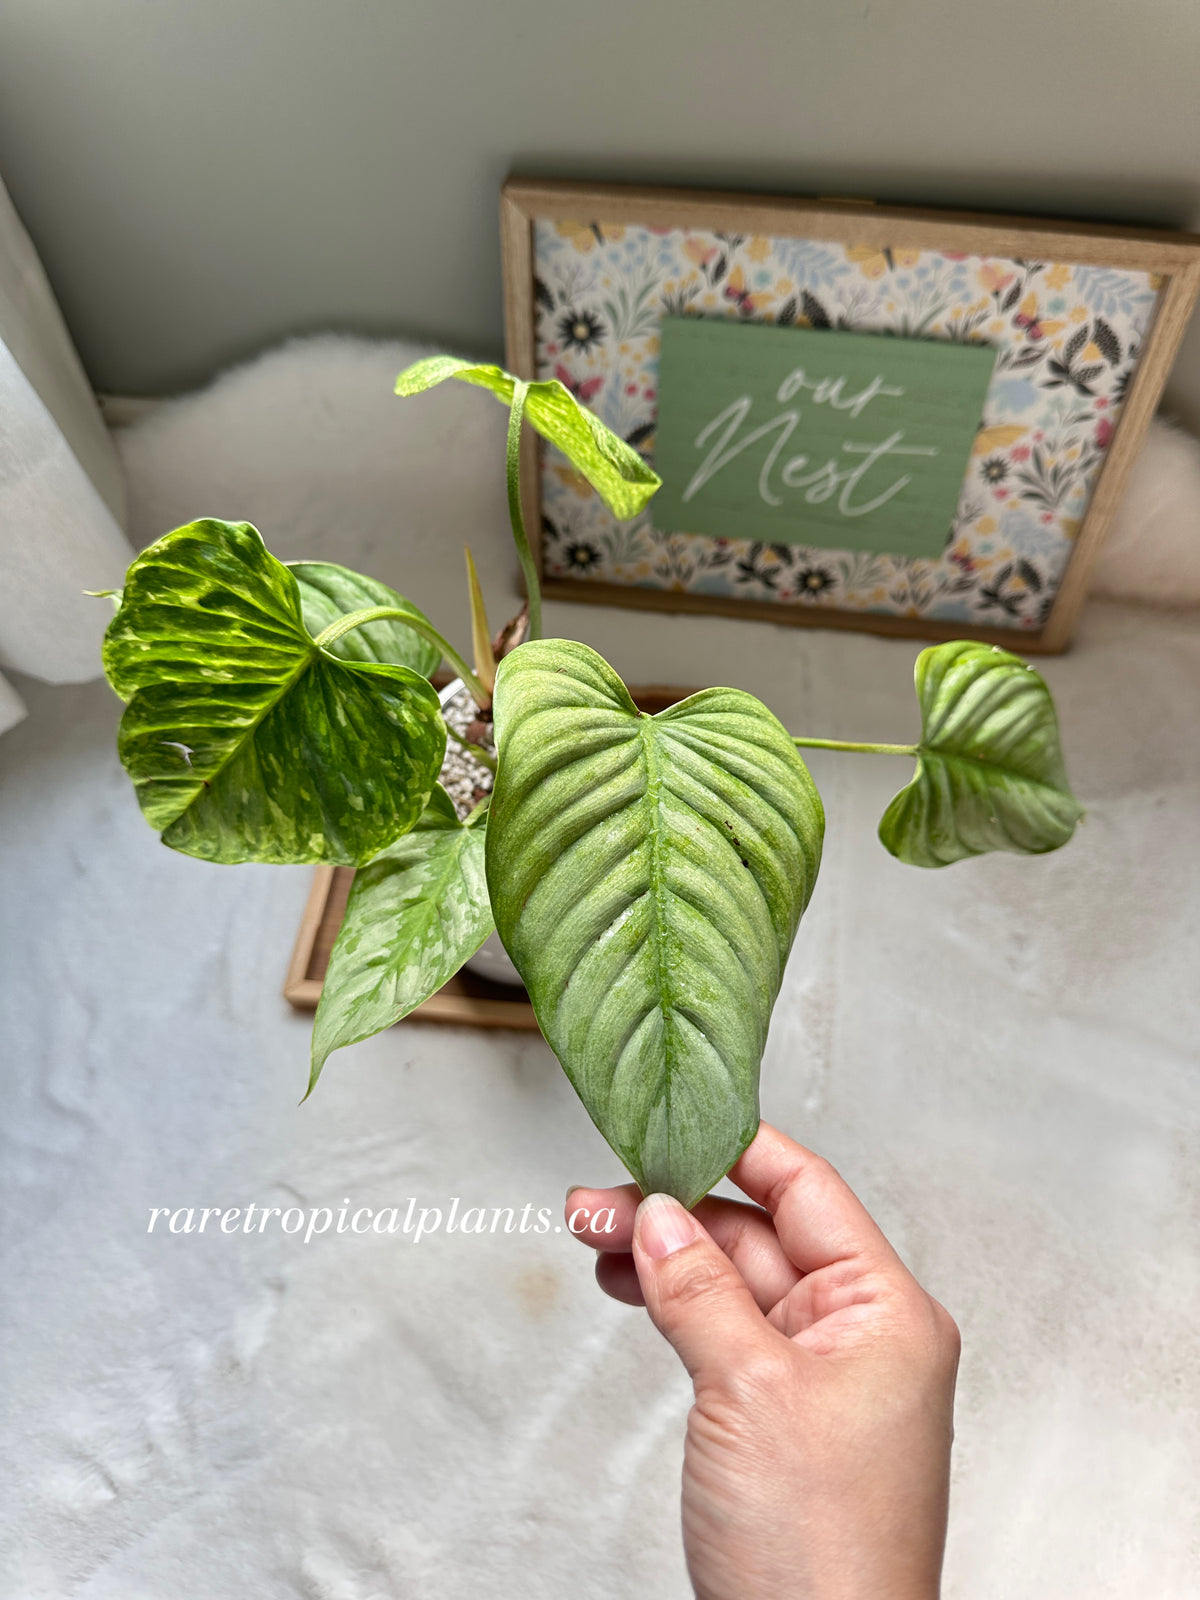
<point x="533" y="584"/>
<point x="485" y="757"/>
<point x="871" y="749"/>
<point x="419" y="624"/>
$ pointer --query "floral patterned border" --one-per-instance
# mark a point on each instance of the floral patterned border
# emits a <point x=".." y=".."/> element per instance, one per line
<point x="1067" y="341"/>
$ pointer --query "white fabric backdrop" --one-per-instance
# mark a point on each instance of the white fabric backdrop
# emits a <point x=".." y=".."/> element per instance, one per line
<point x="62" y="494"/>
<point x="1000" y="1057"/>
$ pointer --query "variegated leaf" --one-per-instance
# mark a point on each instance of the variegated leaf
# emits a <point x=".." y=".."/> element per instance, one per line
<point x="647" y="875"/>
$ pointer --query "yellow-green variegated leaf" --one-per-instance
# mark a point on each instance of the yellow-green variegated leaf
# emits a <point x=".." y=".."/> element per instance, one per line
<point x="612" y="467"/>
<point x="244" y="739"/>
<point x="647" y="875"/>
<point x="990" y="773"/>
<point x="413" y="917"/>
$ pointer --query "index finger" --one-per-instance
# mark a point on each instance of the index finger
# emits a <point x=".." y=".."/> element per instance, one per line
<point x="818" y="1217"/>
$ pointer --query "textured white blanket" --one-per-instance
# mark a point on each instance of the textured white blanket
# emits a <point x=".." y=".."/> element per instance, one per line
<point x="1000" y="1057"/>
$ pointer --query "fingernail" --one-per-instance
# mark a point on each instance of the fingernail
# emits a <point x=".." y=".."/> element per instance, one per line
<point x="663" y="1226"/>
<point x="572" y="1187"/>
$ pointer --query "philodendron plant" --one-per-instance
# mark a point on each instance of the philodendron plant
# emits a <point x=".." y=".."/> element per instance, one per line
<point x="645" y="873"/>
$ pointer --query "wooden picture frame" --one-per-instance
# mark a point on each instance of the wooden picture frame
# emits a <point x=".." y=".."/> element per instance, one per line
<point x="1094" y="260"/>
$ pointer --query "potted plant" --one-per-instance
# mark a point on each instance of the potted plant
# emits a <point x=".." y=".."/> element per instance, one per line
<point x="646" y="874"/>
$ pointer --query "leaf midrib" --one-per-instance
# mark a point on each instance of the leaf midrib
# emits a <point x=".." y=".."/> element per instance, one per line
<point x="1008" y="773"/>
<point x="249" y="730"/>
<point x="656" y="873"/>
<point x="430" y="896"/>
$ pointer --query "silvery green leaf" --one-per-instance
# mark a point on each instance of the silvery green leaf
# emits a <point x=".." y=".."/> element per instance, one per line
<point x="613" y="468"/>
<point x="246" y="741"/>
<point x="990" y="773"/>
<point x="414" y="916"/>
<point x="328" y="592"/>
<point x="647" y="875"/>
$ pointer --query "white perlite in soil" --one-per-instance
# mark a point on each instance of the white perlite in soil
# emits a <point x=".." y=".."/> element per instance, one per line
<point x="464" y="779"/>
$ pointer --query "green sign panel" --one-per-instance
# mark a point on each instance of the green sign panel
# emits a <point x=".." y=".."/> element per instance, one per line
<point x="845" y="441"/>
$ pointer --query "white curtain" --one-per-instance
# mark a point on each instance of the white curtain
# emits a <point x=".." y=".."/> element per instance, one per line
<point x="61" y="494"/>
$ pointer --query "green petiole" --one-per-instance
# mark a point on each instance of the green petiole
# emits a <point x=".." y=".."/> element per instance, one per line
<point x="533" y="584"/>
<point x="359" y="619"/>
<point x="485" y="757"/>
<point x="870" y="749"/>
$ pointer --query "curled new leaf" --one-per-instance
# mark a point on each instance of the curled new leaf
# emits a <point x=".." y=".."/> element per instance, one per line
<point x="244" y="739"/>
<point x="990" y="773"/>
<point x="414" y="915"/>
<point x="647" y="875"/>
<point x="481" y="639"/>
<point x="613" y="468"/>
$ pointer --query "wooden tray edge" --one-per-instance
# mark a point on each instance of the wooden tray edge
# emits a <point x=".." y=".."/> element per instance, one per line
<point x="303" y="993"/>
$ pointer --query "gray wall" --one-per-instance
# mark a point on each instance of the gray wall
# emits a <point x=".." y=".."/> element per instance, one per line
<point x="205" y="176"/>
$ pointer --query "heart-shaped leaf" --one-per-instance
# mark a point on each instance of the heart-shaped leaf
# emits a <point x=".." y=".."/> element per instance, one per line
<point x="413" y="917"/>
<point x="990" y="773"/>
<point x="328" y="592"/>
<point x="244" y="739"/>
<point x="613" y="468"/>
<point x="647" y="875"/>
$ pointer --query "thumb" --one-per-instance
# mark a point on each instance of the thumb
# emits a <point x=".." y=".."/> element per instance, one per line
<point x="694" y="1294"/>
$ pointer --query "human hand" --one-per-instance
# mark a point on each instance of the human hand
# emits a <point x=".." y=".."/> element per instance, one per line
<point x="817" y="1459"/>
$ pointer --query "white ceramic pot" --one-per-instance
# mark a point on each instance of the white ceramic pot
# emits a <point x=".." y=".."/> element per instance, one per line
<point x="491" y="961"/>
